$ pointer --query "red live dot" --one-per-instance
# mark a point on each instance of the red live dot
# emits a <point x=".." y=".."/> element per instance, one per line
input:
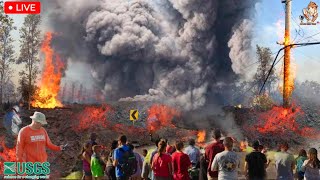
<point x="13" y="7"/>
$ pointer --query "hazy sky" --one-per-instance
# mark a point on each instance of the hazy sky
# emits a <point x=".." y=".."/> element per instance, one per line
<point x="269" y="24"/>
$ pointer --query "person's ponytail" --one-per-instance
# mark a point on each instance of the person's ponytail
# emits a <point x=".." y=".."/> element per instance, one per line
<point x="161" y="147"/>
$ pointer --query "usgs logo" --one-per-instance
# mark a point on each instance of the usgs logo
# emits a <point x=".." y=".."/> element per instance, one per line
<point x="26" y="168"/>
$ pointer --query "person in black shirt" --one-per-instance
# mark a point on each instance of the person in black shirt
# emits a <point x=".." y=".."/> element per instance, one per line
<point x="256" y="164"/>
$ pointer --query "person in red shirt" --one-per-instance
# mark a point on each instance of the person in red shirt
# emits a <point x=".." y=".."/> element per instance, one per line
<point x="162" y="163"/>
<point x="210" y="152"/>
<point x="180" y="163"/>
<point x="33" y="141"/>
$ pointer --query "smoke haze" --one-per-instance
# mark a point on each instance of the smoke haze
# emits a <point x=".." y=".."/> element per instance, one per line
<point x="170" y="51"/>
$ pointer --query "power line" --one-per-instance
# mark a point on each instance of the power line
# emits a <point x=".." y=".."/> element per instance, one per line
<point x="308" y="56"/>
<point x="309" y="37"/>
<point x="274" y="61"/>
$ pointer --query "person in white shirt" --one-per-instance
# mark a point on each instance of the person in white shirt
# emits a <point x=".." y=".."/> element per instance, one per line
<point x="226" y="162"/>
<point x="12" y="122"/>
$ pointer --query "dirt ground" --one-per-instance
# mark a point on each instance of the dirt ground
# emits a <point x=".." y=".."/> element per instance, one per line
<point x="73" y="125"/>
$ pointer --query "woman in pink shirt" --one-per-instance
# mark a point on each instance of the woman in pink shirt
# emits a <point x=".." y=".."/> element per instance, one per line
<point x="86" y="159"/>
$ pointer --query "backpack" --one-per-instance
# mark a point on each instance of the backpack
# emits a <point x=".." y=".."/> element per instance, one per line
<point x="128" y="165"/>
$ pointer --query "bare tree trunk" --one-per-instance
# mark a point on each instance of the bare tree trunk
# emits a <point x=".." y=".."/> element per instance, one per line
<point x="30" y="89"/>
<point x="1" y="94"/>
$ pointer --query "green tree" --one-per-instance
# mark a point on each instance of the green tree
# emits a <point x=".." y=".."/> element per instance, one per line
<point x="24" y="89"/>
<point x="265" y="61"/>
<point x="7" y="58"/>
<point x="29" y="49"/>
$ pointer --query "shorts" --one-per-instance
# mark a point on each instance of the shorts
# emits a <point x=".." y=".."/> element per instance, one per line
<point x="123" y="178"/>
<point x="87" y="173"/>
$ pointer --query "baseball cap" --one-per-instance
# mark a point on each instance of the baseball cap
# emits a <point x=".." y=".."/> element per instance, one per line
<point x="39" y="117"/>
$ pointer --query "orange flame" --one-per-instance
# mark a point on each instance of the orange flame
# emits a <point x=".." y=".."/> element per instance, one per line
<point x="201" y="136"/>
<point x="8" y="155"/>
<point x="46" y="97"/>
<point x="159" y="116"/>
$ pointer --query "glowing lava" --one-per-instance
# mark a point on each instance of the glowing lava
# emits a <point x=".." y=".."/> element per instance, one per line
<point x="94" y="116"/>
<point x="7" y="155"/>
<point x="160" y="116"/>
<point x="46" y="96"/>
<point x="282" y="121"/>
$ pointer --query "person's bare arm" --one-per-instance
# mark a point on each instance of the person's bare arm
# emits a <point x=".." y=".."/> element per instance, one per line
<point x="214" y="165"/>
<point x="293" y="164"/>
<point x="86" y="157"/>
<point x="115" y="162"/>
<point x="266" y="165"/>
<point x="245" y="168"/>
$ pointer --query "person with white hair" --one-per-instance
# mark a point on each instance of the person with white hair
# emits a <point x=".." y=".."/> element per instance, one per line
<point x="11" y="123"/>
<point x="33" y="141"/>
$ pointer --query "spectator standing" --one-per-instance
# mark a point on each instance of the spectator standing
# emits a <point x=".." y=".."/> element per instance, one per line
<point x="147" y="172"/>
<point x="170" y="149"/>
<point x="144" y="153"/>
<point x="285" y="163"/>
<point x="119" y="158"/>
<point x="299" y="162"/>
<point x="110" y="169"/>
<point x="97" y="164"/>
<point x="311" y="166"/>
<point x="210" y="152"/>
<point x="146" y="167"/>
<point x="137" y="175"/>
<point x="180" y="163"/>
<point x="193" y="153"/>
<point x="33" y="140"/>
<point x="86" y="161"/>
<point x="93" y="138"/>
<point x="11" y="123"/>
<point x="226" y="162"/>
<point x="203" y="168"/>
<point x="162" y="163"/>
<point x="256" y="163"/>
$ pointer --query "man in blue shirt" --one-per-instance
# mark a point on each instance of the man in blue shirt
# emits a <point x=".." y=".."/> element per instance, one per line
<point x="118" y="154"/>
<point x="193" y="153"/>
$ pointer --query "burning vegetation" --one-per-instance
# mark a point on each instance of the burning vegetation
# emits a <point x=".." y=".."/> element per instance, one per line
<point x="49" y="87"/>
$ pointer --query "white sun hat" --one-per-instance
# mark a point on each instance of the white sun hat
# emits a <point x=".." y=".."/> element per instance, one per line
<point x="16" y="108"/>
<point x="39" y="117"/>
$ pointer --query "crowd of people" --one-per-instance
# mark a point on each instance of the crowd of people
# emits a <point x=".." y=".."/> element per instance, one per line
<point x="219" y="161"/>
<point x="121" y="161"/>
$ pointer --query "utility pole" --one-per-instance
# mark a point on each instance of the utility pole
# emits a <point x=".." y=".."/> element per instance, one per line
<point x="288" y="83"/>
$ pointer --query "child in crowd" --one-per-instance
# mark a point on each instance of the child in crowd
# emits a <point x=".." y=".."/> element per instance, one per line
<point x="110" y="169"/>
<point x="97" y="164"/>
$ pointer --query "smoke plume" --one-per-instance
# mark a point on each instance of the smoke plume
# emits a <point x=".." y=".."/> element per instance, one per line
<point x="240" y="47"/>
<point x="171" y="51"/>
